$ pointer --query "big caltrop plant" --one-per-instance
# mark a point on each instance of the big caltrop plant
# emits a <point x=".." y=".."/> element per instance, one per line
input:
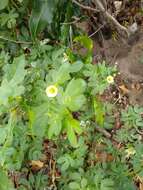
<point x="100" y="77"/>
<point x="42" y="97"/>
<point x="54" y="101"/>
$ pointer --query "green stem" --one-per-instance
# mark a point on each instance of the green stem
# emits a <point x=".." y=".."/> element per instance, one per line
<point x="14" y="41"/>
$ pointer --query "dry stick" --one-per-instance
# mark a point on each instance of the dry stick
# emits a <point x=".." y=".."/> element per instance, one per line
<point x="72" y="22"/>
<point x="110" y="17"/>
<point x="107" y="134"/>
<point x="102" y="9"/>
<point x="104" y="2"/>
<point x="85" y="7"/>
<point x="103" y="131"/>
<point x="96" y="31"/>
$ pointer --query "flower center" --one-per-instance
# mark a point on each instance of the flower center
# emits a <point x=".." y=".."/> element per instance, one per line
<point x="52" y="90"/>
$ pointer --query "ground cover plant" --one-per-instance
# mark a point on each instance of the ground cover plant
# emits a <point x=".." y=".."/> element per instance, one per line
<point x="62" y="126"/>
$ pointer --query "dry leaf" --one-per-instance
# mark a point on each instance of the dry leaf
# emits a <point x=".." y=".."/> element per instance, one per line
<point x="104" y="157"/>
<point x="141" y="186"/>
<point x="36" y="164"/>
<point x="124" y="89"/>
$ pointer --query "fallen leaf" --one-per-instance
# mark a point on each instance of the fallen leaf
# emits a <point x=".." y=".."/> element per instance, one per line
<point x="124" y="89"/>
<point x="104" y="157"/>
<point x="141" y="186"/>
<point x="36" y="164"/>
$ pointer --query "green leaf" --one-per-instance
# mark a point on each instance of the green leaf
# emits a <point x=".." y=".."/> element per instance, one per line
<point x="84" y="182"/>
<point x="64" y="161"/>
<point x="3" y="4"/>
<point x="38" y="119"/>
<point x="16" y="71"/>
<point x="75" y="125"/>
<point x="85" y="41"/>
<point x="42" y="14"/>
<point x="62" y="75"/>
<point x="72" y="127"/>
<point x="76" y="66"/>
<point x="75" y="87"/>
<point x="74" y="185"/>
<point x="71" y="135"/>
<point x="73" y="97"/>
<point x="3" y="134"/>
<point x="11" y="85"/>
<point x="55" y="126"/>
<point x="107" y="184"/>
<point x="57" y="54"/>
<point x="5" y="183"/>
<point x="99" y="112"/>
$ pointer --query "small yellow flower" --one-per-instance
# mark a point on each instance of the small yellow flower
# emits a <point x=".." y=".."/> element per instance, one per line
<point x="129" y="152"/>
<point x="110" y="79"/>
<point x="51" y="91"/>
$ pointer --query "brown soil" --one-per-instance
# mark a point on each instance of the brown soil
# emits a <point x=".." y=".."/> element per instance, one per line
<point x="129" y="58"/>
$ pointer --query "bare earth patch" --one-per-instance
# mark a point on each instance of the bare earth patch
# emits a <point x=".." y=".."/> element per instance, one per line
<point x="129" y="58"/>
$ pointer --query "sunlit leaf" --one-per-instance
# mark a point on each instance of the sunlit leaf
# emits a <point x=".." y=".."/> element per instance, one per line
<point x="85" y="41"/>
<point x="73" y="96"/>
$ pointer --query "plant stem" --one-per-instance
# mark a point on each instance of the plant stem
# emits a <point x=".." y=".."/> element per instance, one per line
<point x="14" y="41"/>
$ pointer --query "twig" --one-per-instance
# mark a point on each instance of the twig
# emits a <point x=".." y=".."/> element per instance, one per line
<point x="118" y="99"/>
<point x="14" y="41"/>
<point x="96" y="31"/>
<point x="105" y="12"/>
<point x="108" y="136"/>
<point x="104" y="2"/>
<point x="110" y="17"/>
<point x="72" y="22"/>
<point x="85" y="7"/>
<point x="103" y="131"/>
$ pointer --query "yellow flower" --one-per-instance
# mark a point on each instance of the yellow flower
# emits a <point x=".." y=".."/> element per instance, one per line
<point x="110" y="79"/>
<point x="51" y="91"/>
<point x="130" y="151"/>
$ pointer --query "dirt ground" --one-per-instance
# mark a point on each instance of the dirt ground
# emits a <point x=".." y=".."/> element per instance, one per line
<point x="126" y="53"/>
<point x="128" y="56"/>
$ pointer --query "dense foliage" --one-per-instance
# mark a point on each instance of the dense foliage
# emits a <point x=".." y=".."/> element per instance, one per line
<point x="51" y="106"/>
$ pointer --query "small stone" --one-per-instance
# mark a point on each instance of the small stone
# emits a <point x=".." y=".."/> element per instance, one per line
<point x="133" y="28"/>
